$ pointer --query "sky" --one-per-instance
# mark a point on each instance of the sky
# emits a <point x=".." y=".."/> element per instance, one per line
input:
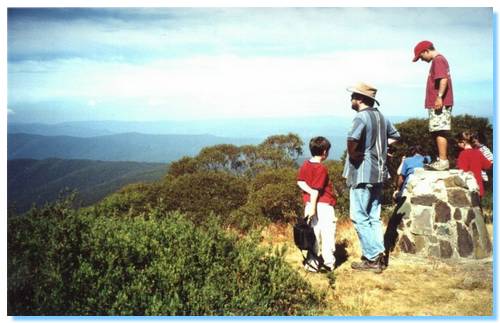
<point x="140" y="64"/>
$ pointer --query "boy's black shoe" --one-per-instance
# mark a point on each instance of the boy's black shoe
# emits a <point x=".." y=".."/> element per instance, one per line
<point x="375" y="266"/>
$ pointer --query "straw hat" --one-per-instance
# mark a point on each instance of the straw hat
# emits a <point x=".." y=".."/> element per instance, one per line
<point x="364" y="89"/>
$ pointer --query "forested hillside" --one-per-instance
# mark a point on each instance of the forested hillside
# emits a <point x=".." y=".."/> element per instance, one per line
<point x="32" y="181"/>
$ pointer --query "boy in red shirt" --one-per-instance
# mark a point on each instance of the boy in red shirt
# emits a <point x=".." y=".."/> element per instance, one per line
<point x="438" y="99"/>
<point x="471" y="160"/>
<point x="319" y="199"/>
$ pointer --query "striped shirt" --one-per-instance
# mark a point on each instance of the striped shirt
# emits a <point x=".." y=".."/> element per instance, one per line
<point x="486" y="153"/>
<point x="372" y="131"/>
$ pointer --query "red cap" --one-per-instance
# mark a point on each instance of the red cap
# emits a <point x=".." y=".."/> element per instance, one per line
<point x="423" y="45"/>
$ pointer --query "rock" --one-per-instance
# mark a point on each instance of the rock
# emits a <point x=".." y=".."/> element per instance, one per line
<point x="422" y="224"/>
<point x="458" y="198"/>
<point x="445" y="249"/>
<point x="406" y="245"/>
<point x="470" y="216"/>
<point x="464" y="241"/>
<point x="426" y="200"/>
<point x="443" y="212"/>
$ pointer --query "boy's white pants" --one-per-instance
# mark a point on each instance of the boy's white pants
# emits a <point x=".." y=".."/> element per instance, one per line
<point x="324" y="224"/>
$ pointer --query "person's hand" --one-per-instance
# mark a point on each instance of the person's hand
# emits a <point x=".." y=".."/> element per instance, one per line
<point x="310" y="212"/>
<point x="438" y="104"/>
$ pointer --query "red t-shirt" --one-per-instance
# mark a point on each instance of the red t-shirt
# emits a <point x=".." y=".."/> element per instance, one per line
<point x="316" y="176"/>
<point x="439" y="69"/>
<point x="472" y="160"/>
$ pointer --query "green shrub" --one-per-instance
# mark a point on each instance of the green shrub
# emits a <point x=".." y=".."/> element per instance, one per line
<point x="66" y="262"/>
<point x="200" y="193"/>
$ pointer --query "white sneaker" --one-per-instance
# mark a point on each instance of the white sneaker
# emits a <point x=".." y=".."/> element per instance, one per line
<point x="439" y="165"/>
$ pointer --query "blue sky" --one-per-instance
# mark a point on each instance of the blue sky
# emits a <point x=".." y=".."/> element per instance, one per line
<point x="69" y="64"/>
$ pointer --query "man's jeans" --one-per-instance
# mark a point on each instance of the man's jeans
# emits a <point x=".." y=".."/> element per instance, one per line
<point x="365" y="207"/>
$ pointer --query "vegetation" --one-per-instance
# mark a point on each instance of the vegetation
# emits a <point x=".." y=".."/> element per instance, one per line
<point x="36" y="182"/>
<point x="67" y="262"/>
<point x="189" y="243"/>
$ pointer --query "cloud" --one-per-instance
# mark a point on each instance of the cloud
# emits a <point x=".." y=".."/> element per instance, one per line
<point x="224" y="85"/>
<point x="10" y="111"/>
<point x="238" y="61"/>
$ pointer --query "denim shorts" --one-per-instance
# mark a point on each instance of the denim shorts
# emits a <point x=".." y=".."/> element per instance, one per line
<point x="440" y="120"/>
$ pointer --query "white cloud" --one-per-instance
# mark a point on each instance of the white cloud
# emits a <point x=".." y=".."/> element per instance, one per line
<point x="10" y="111"/>
<point x="243" y="62"/>
<point x="227" y="85"/>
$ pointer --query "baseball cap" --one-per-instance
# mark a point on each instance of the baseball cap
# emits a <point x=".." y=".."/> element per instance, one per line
<point x="423" y="45"/>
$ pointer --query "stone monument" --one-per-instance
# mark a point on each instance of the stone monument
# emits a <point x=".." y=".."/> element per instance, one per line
<point x="441" y="216"/>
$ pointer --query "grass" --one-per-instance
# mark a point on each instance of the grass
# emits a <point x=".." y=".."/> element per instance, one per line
<point x="410" y="286"/>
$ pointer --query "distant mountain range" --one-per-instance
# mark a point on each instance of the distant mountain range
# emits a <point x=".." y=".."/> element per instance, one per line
<point x="39" y="181"/>
<point x="120" y="147"/>
<point x="164" y="141"/>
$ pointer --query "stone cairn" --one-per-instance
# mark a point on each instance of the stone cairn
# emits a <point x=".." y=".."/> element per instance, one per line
<point x="441" y="216"/>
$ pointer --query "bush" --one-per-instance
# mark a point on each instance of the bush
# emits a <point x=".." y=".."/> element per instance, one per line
<point x="200" y="193"/>
<point x="66" y="262"/>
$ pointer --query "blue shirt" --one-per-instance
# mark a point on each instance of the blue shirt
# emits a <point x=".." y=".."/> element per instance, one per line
<point x="371" y="130"/>
<point x="409" y="165"/>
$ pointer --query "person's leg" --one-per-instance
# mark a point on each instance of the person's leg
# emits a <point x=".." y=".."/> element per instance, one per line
<point x="312" y="262"/>
<point x="375" y="221"/>
<point x="361" y="204"/>
<point x="439" y="126"/>
<point x="442" y="145"/>
<point x="327" y="225"/>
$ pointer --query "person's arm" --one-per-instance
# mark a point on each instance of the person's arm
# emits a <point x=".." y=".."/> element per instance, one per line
<point x="352" y="150"/>
<point x="355" y="148"/>
<point x="443" y="85"/>
<point x="390" y="141"/>
<point x="392" y="133"/>
<point x="400" y="181"/>
<point x="487" y="153"/>
<point x="485" y="163"/>
<point x="313" y="197"/>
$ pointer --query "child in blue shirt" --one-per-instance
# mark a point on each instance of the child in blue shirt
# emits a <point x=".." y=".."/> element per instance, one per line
<point x="416" y="160"/>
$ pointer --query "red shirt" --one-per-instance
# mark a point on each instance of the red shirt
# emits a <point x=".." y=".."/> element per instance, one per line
<point x="316" y="176"/>
<point x="472" y="160"/>
<point x="439" y="69"/>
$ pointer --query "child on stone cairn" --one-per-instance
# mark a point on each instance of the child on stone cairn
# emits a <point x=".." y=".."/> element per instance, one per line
<point x="319" y="198"/>
<point x="478" y="142"/>
<point x="471" y="160"/>
<point x="413" y="160"/>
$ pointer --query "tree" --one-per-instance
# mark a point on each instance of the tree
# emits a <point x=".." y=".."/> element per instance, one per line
<point x="220" y="157"/>
<point x="282" y="147"/>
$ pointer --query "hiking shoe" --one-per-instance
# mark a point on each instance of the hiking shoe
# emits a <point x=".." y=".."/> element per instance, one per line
<point x="365" y="264"/>
<point x="439" y="165"/>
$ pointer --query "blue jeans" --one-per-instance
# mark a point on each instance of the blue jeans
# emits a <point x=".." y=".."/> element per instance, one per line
<point x="364" y="209"/>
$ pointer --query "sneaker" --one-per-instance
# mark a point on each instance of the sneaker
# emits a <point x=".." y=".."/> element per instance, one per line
<point x="439" y="165"/>
<point x="310" y="268"/>
<point x="365" y="264"/>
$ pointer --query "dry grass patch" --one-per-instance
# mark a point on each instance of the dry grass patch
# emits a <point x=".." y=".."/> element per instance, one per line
<point x="411" y="286"/>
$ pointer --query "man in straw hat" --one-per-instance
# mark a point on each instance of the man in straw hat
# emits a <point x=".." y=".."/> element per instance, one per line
<point x="438" y="99"/>
<point x="365" y="171"/>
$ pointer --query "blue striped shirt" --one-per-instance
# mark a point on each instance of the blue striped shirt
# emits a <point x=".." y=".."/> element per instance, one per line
<point x="372" y="131"/>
